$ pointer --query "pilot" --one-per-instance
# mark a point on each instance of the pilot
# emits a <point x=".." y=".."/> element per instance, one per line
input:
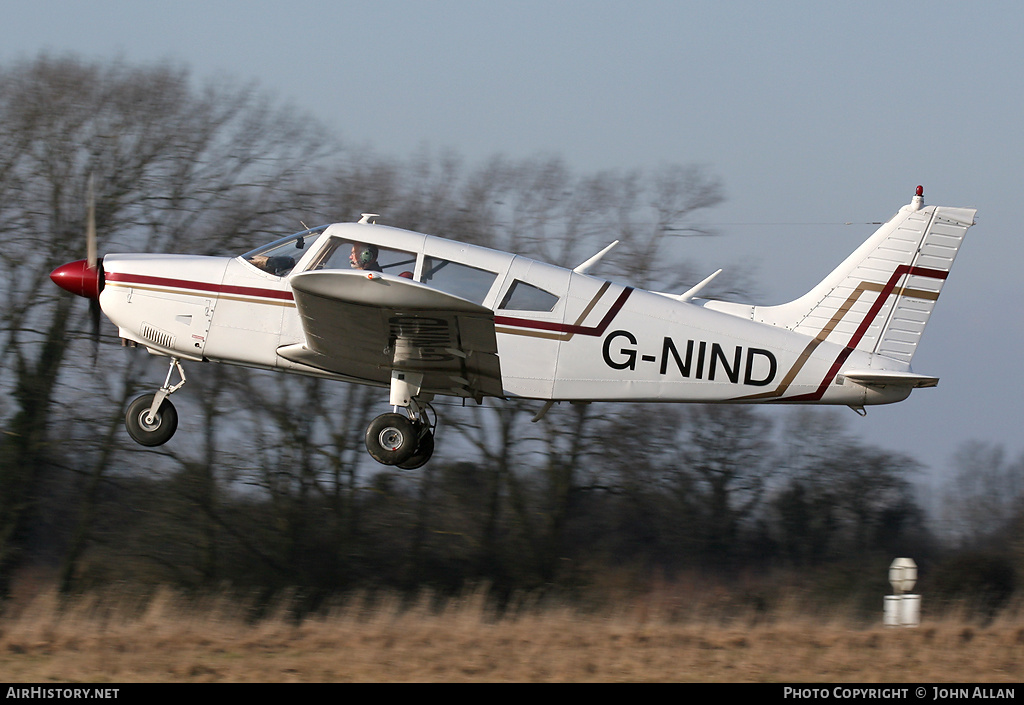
<point x="278" y="264"/>
<point x="364" y="257"/>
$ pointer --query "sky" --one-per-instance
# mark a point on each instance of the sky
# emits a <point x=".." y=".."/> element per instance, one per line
<point x="813" y="114"/>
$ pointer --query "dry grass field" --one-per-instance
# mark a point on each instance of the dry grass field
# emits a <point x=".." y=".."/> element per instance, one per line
<point x="125" y="639"/>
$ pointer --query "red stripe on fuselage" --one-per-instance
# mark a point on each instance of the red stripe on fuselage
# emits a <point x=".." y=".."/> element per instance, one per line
<point x="199" y="286"/>
<point x="568" y="327"/>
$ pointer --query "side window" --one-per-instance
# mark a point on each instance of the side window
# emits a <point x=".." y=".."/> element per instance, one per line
<point x="527" y="297"/>
<point x="458" y="279"/>
<point x="343" y="254"/>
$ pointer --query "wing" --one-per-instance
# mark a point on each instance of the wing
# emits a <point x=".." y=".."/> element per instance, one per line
<point x="364" y="326"/>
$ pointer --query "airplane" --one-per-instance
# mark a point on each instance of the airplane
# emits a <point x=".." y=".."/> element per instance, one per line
<point x="425" y="316"/>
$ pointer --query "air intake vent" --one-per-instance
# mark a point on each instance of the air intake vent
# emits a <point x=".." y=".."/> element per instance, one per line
<point x="161" y="338"/>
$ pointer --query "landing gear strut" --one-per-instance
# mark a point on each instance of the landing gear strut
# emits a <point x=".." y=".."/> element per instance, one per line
<point x="151" y="419"/>
<point x="403" y="440"/>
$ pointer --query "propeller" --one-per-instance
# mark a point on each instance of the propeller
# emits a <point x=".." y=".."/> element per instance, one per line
<point x="90" y="226"/>
<point x="93" y="264"/>
<point x="85" y="276"/>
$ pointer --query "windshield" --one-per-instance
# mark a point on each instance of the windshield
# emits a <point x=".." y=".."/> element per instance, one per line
<point x="280" y="256"/>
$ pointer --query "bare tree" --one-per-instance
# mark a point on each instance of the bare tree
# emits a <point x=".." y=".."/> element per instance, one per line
<point x="175" y="167"/>
<point x="725" y="461"/>
<point x="839" y="496"/>
<point x="983" y="497"/>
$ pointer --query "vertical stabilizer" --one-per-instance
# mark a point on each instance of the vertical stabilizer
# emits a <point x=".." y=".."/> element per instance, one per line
<point x="880" y="298"/>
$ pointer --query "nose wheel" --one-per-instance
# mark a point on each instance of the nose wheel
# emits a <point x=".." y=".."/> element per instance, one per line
<point x="151" y="419"/>
<point x="150" y="429"/>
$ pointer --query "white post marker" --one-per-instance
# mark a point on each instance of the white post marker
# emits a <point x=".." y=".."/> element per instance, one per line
<point x="902" y="609"/>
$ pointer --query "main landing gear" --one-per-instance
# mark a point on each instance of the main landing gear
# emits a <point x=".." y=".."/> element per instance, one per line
<point x="151" y="419"/>
<point x="405" y="440"/>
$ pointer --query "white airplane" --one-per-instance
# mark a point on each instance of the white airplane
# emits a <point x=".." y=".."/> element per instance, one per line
<point x="425" y="316"/>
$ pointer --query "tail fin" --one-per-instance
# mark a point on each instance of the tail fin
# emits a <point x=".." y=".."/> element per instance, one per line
<point x="880" y="298"/>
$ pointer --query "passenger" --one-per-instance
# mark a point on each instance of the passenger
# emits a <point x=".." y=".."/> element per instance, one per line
<point x="364" y="257"/>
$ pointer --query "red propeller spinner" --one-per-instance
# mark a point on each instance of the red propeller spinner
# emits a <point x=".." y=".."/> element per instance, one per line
<point x="79" y="278"/>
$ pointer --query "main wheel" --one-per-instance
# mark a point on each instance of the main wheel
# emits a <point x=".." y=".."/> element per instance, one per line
<point x="424" y="449"/>
<point x="391" y="439"/>
<point x="164" y="424"/>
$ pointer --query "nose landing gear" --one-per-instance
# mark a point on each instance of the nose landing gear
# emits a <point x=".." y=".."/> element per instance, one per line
<point x="151" y="419"/>
<point x="147" y="428"/>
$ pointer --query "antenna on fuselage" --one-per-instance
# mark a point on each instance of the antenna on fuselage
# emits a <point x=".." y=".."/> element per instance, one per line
<point x="585" y="266"/>
<point x="694" y="290"/>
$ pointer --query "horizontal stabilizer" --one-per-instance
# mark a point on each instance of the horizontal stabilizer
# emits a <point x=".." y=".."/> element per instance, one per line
<point x="883" y="378"/>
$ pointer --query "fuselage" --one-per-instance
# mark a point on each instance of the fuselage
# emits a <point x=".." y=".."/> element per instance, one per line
<point x="561" y="334"/>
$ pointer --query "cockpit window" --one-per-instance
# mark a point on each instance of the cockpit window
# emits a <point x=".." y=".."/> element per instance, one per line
<point x="280" y="256"/>
<point x="527" y="297"/>
<point x="459" y="279"/>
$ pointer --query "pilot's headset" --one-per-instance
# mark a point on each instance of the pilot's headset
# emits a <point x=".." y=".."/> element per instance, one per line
<point x="366" y="254"/>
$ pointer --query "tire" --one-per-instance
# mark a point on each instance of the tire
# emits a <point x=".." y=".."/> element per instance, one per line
<point x="156" y="433"/>
<point x="424" y="449"/>
<point x="391" y="439"/>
